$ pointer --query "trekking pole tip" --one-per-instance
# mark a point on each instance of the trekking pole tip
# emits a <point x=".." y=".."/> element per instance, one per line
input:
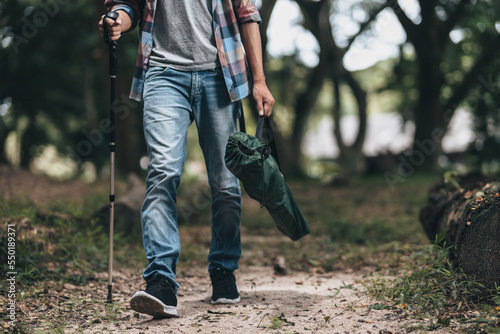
<point x="109" y="299"/>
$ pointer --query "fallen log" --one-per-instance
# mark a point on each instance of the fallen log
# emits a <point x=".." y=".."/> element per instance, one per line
<point x="465" y="211"/>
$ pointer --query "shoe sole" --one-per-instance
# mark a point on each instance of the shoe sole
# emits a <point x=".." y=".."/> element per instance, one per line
<point x="226" y="301"/>
<point x="143" y="302"/>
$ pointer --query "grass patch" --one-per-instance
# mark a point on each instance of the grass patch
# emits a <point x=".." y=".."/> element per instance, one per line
<point x="61" y="237"/>
<point x="60" y="252"/>
<point x="432" y="287"/>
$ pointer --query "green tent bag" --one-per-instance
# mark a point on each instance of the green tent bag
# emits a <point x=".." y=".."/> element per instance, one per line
<point x="251" y="162"/>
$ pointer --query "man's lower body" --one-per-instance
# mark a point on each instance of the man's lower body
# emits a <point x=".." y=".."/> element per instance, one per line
<point x="172" y="100"/>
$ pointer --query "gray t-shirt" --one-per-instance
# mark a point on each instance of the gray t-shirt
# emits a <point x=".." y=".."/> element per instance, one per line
<point x="183" y="35"/>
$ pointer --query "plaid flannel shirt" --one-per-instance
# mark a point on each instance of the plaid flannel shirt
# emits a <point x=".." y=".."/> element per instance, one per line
<point x="227" y="16"/>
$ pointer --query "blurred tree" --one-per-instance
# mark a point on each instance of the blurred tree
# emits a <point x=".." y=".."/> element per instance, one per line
<point x="54" y="76"/>
<point x="317" y="20"/>
<point x="455" y="43"/>
<point x="45" y="74"/>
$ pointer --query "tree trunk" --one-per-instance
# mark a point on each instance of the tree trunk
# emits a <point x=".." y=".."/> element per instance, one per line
<point x="430" y="125"/>
<point x="351" y="156"/>
<point x="303" y="108"/>
<point x="265" y="11"/>
<point x="468" y="214"/>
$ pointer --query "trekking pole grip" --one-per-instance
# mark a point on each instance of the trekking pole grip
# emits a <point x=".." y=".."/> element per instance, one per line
<point x="110" y="15"/>
<point x="113" y="45"/>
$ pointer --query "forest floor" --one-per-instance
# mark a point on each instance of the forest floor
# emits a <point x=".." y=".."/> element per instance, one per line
<point x="361" y="233"/>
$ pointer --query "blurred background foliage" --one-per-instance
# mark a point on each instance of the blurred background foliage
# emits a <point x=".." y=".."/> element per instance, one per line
<point x="54" y="87"/>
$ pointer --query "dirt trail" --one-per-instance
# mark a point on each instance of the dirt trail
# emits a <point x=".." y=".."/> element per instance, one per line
<point x="297" y="303"/>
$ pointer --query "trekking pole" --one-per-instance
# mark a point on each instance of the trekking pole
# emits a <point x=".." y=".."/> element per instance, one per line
<point x="113" y="69"/>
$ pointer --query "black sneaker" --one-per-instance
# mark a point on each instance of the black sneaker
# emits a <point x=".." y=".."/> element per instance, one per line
<point x="158" y="299"/>
<point x="224" y="288"/>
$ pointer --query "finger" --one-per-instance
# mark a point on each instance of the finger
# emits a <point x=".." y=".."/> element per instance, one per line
<point x="115" y="33"/>
<point x="115" y="36"/>
<point x="268" y="106"/>
<point x="260" y="109"/>
<point x="101" y="30"/>
<point x="258" y="104"/>
<point x="267" y="109"/>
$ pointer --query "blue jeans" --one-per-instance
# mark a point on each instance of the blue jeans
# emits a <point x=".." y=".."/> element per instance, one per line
<point x="172" y="100"/>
